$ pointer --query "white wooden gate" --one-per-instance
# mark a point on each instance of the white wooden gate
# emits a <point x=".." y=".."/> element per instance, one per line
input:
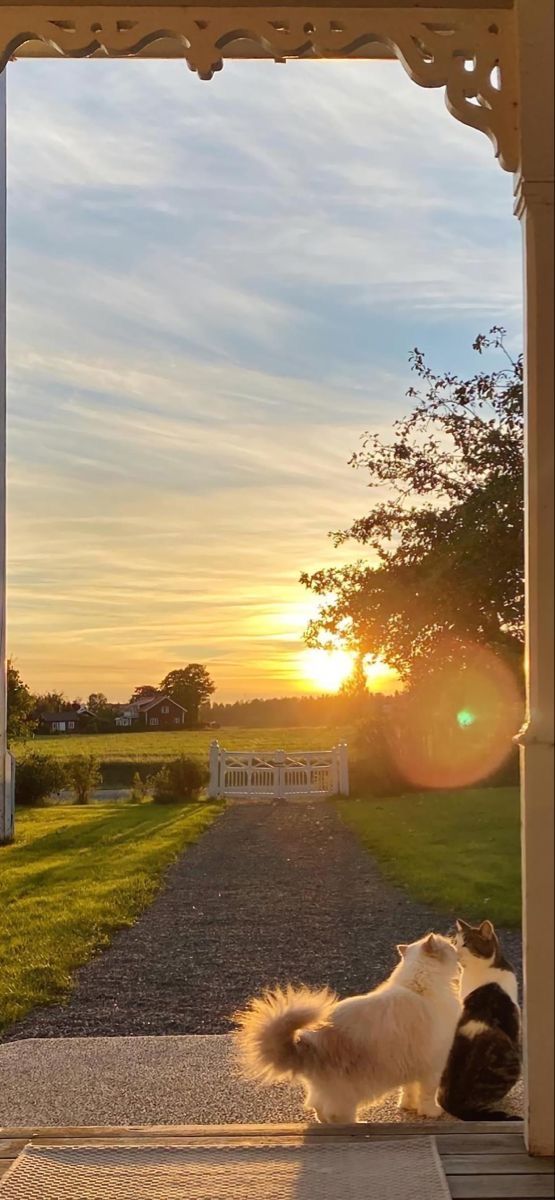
<point x="278" y="773"/>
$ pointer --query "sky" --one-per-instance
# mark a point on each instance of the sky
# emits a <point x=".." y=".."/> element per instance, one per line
<point x="213" y="289"/>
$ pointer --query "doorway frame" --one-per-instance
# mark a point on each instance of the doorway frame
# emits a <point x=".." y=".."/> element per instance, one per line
<point x="495" y="62"/>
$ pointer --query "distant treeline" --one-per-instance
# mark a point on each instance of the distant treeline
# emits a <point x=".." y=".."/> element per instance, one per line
<point x="284" y="712"/>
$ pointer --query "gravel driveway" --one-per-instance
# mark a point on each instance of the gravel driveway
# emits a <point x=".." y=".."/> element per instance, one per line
<point x="272" y="892"/>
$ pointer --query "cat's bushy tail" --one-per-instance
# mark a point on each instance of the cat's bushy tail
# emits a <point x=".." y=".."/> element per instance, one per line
<point x="266" y="1038"/>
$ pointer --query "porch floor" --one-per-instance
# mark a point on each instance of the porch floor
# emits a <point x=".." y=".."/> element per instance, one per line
<point x="482" y="1161"/>
<point x="151" y="1081"/>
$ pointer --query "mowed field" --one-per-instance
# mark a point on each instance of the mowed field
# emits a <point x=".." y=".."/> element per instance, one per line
<point x="154" y="747"/>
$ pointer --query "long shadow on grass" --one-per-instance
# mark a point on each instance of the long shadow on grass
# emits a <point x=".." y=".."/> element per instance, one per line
<point x="76" y="837"/>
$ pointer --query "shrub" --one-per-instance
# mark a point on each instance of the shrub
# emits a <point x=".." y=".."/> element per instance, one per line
<point x="380" y="749"/>
<point x="83" y="774"/>
<point x="38" y="776"/>
<point x="139" y="789"/>
<point x="374" y="769"/>
<point x="179" y="780"/>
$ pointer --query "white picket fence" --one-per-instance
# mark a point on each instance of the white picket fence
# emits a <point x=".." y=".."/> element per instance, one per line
<point x="278" y="774"/>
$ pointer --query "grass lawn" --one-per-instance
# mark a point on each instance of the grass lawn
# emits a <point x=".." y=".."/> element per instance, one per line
<point x="73" y="876"/>
<point x="136" y="747"/>
<point x="459" y="851"/>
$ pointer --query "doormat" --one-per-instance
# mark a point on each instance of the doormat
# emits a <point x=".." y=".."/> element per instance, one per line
<point x="396" y="1169"/>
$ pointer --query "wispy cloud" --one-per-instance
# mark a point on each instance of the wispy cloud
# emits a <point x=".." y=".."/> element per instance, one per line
<point x="213" y="289"/>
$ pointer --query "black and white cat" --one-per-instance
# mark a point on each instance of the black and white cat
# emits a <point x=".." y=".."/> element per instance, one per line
<point x="484" y="1062"/>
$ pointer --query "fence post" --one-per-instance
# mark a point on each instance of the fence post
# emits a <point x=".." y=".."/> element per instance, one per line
<point x="343" y="769"/>
<point x="335" y="769"/>
<point x="214" y="762"/>
<point x="280" y="775"/>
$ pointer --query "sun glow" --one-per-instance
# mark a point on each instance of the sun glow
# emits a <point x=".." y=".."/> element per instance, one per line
<point x="380" y="677"/>
<point x="327" y="669"/>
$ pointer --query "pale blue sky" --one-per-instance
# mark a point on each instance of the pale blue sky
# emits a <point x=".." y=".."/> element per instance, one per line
<point x="213" y="289"/>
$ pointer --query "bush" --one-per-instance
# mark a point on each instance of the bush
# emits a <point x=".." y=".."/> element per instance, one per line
<point x="374" y="769"/>
<point x="38" y="776"/>
<point x="380" y="751"/>
<point x="179" y="780"/>
<point x="83" y="774"/>
<point x="139" y="789"/>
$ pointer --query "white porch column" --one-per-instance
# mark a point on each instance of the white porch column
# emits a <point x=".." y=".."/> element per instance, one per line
<point x="6" y="784"/>
<point x="534" y="207"/>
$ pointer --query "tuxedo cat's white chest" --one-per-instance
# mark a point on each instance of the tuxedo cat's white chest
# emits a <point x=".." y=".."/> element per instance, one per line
<point x="477" y="974"/>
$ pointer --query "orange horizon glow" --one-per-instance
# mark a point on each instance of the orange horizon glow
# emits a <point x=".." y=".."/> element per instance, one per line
<point x="329" y="670"/>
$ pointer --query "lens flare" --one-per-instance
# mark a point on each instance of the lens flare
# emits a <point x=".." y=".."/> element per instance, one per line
<point x="458" y="724"/>
<point x="465" y="718"/>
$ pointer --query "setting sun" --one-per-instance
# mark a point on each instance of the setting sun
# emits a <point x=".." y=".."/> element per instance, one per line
<point x="327" y="669"/>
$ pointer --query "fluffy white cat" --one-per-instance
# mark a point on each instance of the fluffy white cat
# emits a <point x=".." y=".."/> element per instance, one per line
<point x="353" y="1052"/>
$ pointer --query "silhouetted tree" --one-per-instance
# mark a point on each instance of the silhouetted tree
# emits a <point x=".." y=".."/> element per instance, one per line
<point x="190" y="686"/>
<point x="449" y="541"/>
<point x="20" y="705"/>
<point x="50" y="702"/>
<point x="143" y="692"/>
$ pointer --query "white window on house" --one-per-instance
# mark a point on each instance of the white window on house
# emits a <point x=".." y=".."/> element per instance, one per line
<point x="59" y="726"/>
<point x="71" y="724"/>
<point x="154" y="721"/>
<point x="177" y="720"/>
<point x="165" y="708"/>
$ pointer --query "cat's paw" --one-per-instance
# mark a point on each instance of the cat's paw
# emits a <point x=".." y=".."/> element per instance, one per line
<point x="312" y="1115"/>
<point x="429" y="1108"/>
<point x="407" y="1101"/>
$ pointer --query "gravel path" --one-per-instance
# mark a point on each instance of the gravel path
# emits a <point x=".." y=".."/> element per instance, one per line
<point x="272" y="892"/>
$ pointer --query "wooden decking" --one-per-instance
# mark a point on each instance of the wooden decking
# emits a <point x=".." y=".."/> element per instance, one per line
<point x="482" y="1161"/>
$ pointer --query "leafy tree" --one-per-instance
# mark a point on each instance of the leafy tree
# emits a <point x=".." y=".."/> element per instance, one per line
<point x="84" y="775"/>
<point x="143" y="692"/>
<point x="355" y="691"/>
<point x="50" y="702"/>
<point x="189" y="686"/>
<point x="448" y="541"/>
<point x="356" y="684"/>
<point x="20" y="705"/>
<point x="101" y="710"/>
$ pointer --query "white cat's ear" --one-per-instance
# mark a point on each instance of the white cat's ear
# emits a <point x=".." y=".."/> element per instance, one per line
<point x="402" y="949"/>
<point x="487" y="930"/>
<point x="462" y="925"/>
<point x="430" y="944"/>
